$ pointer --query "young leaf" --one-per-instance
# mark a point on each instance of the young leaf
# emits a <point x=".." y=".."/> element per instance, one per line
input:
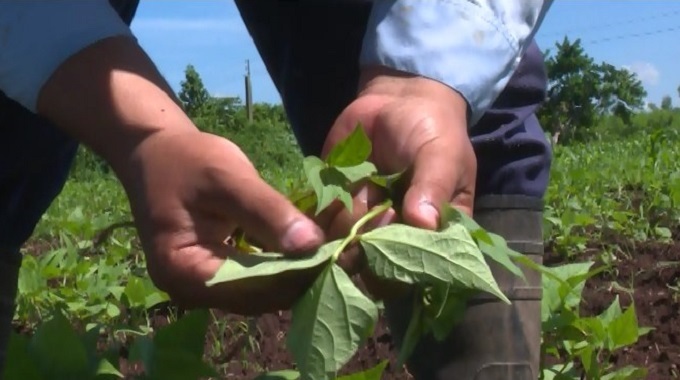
<point x="241" y="243"/>
<point x="304" y="201"/>
<point x="329" y="324"/>
<point x="359" y="172"/>
<point x="385" y="180"/>
<point x="415" y="255"/>
<point x="623" y="330"/>
<point x="374" y="373"/>
<point x="352" y="151"/>
<point x="242" y="266"/>
<point x="328" y="183"/>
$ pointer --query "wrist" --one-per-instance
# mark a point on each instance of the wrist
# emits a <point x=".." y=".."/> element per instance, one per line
<point x="387" y="82"/>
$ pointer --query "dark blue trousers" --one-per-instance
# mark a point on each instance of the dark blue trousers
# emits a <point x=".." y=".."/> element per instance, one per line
<point x="311" y="52"/>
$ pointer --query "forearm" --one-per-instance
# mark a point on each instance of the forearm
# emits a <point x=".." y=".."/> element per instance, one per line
<point x="77" y="64"/>
<point x="471" y="47"/>
<point x="111" y="97"/>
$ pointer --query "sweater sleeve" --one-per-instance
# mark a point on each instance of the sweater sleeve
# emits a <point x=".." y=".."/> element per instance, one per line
<point x="36" y="37"/>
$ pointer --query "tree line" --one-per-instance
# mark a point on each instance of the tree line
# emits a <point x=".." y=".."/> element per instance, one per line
<point x="586" y="101"/>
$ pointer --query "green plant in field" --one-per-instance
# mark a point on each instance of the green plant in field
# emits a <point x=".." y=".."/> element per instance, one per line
<point x="333" y="318"/>
<point x="627" y="188"/>
<point x="584" y="345"/>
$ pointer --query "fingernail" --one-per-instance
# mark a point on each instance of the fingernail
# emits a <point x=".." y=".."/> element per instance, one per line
<point x="429" y="212"/>
<point x="302" y="235"/>
<point x="362" y="194"/>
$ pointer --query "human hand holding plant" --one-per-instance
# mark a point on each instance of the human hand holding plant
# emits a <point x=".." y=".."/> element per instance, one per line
<point x="188" y="190"/>
<point x="417" y="126"/>
<point x="192" y="191"/>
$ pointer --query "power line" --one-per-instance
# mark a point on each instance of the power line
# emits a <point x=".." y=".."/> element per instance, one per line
<point x="617" y="23"/>
<point x="635" y="35"/>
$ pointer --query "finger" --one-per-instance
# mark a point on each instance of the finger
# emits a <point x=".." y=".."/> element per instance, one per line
<point x="187" y="270"/>
<point x="367" y="196"/>
<point x="440" y="173"/>
<point x="352" y="260"/>
<point x="265" y="214"/>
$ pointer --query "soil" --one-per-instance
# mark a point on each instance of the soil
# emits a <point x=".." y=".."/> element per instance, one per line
<point x="644" y="275"/>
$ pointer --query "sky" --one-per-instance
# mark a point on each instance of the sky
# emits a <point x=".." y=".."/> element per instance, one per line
<point x="641" y="35"/>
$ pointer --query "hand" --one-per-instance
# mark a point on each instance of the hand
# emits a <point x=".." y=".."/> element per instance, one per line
<point x="189" y="191"/>
<point x="415" y="124"/>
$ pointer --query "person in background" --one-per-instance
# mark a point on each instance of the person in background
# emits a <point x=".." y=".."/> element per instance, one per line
<point x="447" y="88"/>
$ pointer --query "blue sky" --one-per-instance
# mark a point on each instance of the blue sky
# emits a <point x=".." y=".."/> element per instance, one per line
<point x="641" y="35"/>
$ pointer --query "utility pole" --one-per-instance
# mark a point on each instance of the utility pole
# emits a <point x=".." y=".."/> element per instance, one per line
<point x="249" y="93"/>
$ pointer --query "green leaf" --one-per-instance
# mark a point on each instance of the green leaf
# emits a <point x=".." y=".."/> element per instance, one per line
<point x="186" y="334"/>
<point x="329" y="324"/>
<point x="242" y="266"/>
<point x="59" y="351"/>
<point x="565" y="293"/>
<point x="176" y="351"/>
<point x="19" y="363"/>
<point x="304" y="201"/>
<point x="352" y="151"/>
<point x="414" y="255"/>
<point x="105" y="367"/>
<point x="374" y="373"/>
<point x="627" y="373"/>
<point x="492" y="245"/>
<point x="358" y="172"/>
<point x="385" y="180"/>
<point x="623" y="330"/>
<point x="135" y="292"/>
<point x="451" y="310"/>
<point x="142" y="350"/>
<point x="611" y="313"/>
<point x="287" y="374"/>
<point x="328" y="183"/>
<point x="177" y="364"/>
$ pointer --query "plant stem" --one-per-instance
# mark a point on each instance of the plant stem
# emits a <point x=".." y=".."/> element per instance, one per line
<point x="375" y="211"/>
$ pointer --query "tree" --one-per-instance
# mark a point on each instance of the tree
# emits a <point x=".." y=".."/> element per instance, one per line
<point x="581" y="91"/>
<point x="193" y="95"/>
<point x="666" y="103"/>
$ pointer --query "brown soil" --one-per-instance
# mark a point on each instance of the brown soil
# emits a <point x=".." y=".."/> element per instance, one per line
<point x="645" y="276"/>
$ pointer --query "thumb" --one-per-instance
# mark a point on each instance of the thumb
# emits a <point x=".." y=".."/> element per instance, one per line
<point x="441" y="173"/>
<point x="268" y="217"/>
